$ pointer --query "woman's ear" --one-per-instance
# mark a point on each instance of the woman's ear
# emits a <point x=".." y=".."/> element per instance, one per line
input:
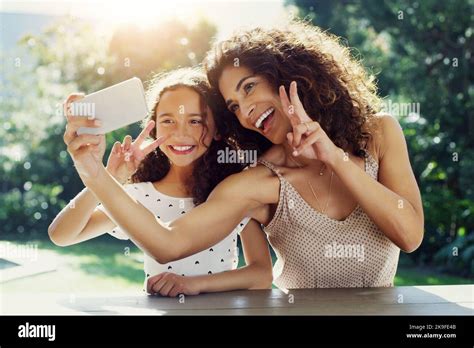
<point x="217" y="137"/>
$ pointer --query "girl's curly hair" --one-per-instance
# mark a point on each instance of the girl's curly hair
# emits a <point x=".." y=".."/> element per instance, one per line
<point x="207" y="172"/>
<point x="334" y="88"/>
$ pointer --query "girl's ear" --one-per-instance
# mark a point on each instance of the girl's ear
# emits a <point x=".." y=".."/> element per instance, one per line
<point x="217" y="137"/>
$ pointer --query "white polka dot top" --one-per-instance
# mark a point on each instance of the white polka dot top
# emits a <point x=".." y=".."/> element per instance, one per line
<point x="223" y="256"/>
<point x="315" y="251"/>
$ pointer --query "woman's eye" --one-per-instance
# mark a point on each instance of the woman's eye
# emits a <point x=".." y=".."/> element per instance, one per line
<point x="196" y="121"/>
<point x="166" y="121"/>
<point x="233" y="108"/>
<point x="249" y="86"/>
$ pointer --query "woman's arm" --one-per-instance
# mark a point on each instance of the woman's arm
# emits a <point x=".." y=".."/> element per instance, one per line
<point x="200" y="228"/>
<point x="80" y="220"/>
<point x="393" y="202"/>
<point x="257" y="274"/>
<point x="203" y="226"/>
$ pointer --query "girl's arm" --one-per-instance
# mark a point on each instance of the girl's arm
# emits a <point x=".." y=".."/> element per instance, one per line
<point x="79" y="221"/>
<point x="257" y="274"/>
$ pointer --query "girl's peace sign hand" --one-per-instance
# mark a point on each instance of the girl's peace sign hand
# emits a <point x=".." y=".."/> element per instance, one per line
<point x="125" y="157"/>
<point x="308" y="139"/>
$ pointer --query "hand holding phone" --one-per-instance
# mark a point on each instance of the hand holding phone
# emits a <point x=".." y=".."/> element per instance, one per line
<point x="116" y="106"/>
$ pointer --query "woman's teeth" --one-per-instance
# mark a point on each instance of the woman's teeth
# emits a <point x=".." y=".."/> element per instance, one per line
<point x="262" y="118"/>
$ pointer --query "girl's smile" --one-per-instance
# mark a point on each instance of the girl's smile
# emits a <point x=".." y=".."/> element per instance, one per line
<point x="182" y="149"/>
<point x="180" y="117"/>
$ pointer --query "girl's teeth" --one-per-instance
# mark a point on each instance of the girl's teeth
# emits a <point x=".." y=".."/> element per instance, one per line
<point x="181" y="148"/>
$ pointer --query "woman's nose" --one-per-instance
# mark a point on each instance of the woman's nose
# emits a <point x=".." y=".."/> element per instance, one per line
<point x="247" y="111"/>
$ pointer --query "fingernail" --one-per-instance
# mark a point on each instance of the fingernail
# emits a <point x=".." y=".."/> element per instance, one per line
<point x="295" y="153"/>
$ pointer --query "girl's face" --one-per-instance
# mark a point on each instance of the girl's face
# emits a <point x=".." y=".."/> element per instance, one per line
<point x="179" y="117"/>
<point x="255" y="103"/>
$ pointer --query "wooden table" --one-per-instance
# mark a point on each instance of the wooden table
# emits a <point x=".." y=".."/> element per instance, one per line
<point x="404" y="300"/>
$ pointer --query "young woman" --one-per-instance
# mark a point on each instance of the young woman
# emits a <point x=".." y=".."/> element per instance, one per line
<point x="168" y="181"/>
<point x="335" y="191"/>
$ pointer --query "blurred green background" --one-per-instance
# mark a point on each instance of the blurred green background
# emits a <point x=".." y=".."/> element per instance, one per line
<point x="419" y="51"/>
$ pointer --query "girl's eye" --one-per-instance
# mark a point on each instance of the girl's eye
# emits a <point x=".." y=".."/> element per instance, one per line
<point x="248" y="87"/>
<point x="196" y="121"/>
<point x="166" y="121"/>
<point x="233" y="108"/>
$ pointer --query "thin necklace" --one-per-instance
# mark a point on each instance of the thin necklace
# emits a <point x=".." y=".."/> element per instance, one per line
<point x="321" y="172"/>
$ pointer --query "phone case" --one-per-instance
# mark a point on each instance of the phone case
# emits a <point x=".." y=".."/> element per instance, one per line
<point x="116" y="106"/>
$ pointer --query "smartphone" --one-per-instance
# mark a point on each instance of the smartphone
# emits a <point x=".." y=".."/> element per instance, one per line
<point x="116" y="106"/>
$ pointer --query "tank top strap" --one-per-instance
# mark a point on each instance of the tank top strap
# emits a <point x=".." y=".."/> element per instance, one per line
<point x="371" y="166"/>
<point x="271" y="166"/>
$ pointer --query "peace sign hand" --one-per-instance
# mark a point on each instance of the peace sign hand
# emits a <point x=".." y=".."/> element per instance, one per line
<point x="125" y="157"/>
<point x="308" y="139"/>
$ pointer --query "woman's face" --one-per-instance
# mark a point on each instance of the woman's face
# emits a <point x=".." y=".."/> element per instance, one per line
<point x="255" y="103"/>
<point x="179" y="117"/>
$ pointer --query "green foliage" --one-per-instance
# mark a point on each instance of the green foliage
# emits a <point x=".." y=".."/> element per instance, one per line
<point x="421" y="52"/>
<point x="36" y="173"/>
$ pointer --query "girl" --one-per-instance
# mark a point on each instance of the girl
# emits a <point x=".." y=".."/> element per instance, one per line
<point x="335" y="191"/>
<point x="168" y="181"/>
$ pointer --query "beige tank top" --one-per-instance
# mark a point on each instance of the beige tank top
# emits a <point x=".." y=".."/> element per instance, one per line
<point x="315" y="251"/>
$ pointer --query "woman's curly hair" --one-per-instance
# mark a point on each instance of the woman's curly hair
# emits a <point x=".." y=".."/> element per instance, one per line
<point x="207" y="171"/>
<point x="334" y="88"/>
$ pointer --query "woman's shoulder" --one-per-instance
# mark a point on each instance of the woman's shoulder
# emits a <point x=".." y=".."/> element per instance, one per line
<point x="383" y="126"/>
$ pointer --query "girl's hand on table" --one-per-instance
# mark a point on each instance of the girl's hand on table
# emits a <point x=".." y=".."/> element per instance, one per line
<point x="170" y="284"/>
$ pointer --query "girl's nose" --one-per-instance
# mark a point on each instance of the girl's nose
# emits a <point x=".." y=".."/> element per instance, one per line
<point x="182" y="128"/>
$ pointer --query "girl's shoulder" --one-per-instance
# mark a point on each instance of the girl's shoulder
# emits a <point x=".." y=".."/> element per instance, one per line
<point x="137" y="186"/>
<point x="138" y="189"/>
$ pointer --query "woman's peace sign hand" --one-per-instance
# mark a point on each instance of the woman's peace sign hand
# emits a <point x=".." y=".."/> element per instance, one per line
<point x="308" y="139"/>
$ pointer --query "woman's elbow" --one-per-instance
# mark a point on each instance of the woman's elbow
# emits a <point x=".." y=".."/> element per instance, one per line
<point x="165" y="257"/>
<point x="413" y="242"/>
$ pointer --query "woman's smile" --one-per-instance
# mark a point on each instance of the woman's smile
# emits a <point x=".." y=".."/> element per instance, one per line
<point x="254" y="101"/>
